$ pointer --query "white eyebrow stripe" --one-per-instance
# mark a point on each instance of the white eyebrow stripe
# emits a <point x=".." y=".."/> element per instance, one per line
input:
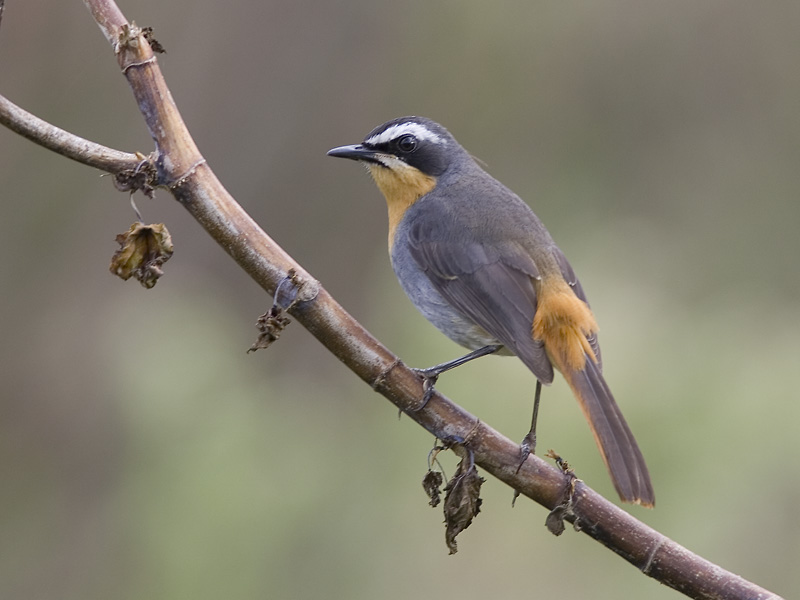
<point x="395" y="131"/>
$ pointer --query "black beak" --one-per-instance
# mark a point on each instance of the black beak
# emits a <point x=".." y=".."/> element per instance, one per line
<point x="355" y="152"/>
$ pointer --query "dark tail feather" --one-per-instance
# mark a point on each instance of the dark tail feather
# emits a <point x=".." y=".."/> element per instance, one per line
<point x="613" y="436"/>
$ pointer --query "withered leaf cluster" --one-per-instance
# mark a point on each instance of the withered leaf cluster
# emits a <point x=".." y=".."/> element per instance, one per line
<point x="462" y="501"/>
<point x="432" y="484"/>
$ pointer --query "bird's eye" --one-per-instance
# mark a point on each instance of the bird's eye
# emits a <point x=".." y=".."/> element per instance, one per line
<point x="407" y="143"/>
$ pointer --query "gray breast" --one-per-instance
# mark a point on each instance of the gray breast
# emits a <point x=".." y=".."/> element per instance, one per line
<point x="430" y="302"/>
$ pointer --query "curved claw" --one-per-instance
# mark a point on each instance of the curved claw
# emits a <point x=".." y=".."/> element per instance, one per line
<point x="429" y="378"/>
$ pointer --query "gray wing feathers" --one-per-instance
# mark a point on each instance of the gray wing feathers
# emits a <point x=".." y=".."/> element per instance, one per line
<point x="469" y="276"/>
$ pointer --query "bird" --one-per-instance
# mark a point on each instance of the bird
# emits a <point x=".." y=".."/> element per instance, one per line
<point x="477" y="262"/>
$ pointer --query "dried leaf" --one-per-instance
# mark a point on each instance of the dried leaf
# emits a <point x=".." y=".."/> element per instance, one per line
<point x="462" y="501"/>
<point x="270" y="325"/>
<point x="555" y="518"/>
<point x="143" y="250"/>
<point x="274" y="321"/>
<point x="432" y="483"/>
<point x="155" y="45"/>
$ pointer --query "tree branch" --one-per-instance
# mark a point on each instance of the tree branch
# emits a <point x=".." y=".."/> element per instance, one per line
<point x="183" y="170"/>
<point x="65" y="143"/>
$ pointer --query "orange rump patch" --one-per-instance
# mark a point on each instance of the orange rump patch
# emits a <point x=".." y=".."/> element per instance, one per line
<point x="563" y="322"/>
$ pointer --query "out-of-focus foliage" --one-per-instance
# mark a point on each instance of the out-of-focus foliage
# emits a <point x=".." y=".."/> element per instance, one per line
<point x="145" y="454"/>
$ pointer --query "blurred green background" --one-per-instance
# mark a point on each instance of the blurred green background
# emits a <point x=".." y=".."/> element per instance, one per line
<point x="143" y="454"/>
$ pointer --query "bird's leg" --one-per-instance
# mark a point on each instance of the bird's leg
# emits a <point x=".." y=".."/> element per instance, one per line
<point x="431" y="374"/>
<point x="528" y="444"/>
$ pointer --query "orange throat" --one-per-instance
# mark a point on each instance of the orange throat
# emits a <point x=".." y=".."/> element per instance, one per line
<point x="563" y="322"/>
<point x="401" y="185"/>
